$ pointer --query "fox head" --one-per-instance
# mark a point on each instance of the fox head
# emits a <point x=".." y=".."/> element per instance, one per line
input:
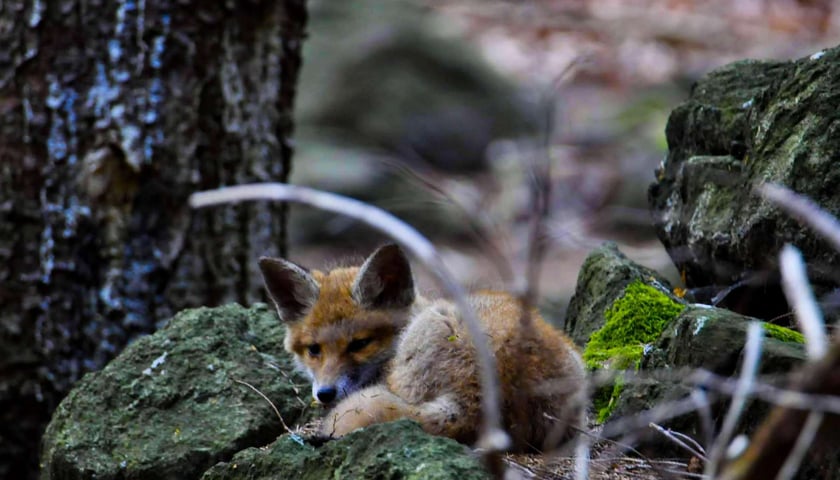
<point x="342" y="326"/>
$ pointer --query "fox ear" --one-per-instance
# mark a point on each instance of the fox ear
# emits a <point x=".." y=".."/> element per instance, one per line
<point x="290" y="287"/>
<point x="385" y="280"/>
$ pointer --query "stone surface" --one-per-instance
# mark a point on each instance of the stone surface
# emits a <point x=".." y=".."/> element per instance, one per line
<point x="746" y="123"/>
<point x="397" y="450"/>
<point x="699" y="336"/>
<point x="708" y="338"/>
<point x="169" y="406"/>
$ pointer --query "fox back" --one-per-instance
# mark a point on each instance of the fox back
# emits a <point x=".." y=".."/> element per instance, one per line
<point x="342" y="326"/>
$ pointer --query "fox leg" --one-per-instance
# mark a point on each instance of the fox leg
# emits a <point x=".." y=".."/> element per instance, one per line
<point x="377" y="404"/>
<point x="370" y="405"/>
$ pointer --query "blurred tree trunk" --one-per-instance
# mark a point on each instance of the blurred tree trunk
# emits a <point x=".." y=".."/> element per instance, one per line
<point x="111" y="113"/>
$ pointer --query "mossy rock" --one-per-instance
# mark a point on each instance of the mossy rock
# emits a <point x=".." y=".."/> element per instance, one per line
<point x="396" y="450"/>
<point x="632" y="324"/>
<point x="747" y="123"/>
<point x="712" y="339"/>
<point x="169" y="406"/>
<point x="602" y="280"/>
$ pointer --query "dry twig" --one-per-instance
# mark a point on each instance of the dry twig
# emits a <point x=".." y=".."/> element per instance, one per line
<point x="277" y="412"/>
<point x="681" y="440"/>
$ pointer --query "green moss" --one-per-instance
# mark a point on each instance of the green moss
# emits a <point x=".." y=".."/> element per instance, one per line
<point x="632" y="322"/>
<point x="782" y="333"/>
<point x="606" y="398"/>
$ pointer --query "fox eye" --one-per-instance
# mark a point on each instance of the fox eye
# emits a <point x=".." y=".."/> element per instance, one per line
<point x="314" y="349"/>
<point x="358" y="344"/>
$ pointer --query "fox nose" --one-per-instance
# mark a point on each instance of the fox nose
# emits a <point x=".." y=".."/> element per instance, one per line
<point x="326" y="394"/>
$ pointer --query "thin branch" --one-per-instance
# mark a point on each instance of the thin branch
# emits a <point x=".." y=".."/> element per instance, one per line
<point x="659" y="413"/>
<point x="681" y="440"/>
<point x="277" y="412"/>
<point x="778" y="434"/>
<point x="801" y="297"/>
<point x="749" y="367"/>
<point x="773" y="395"/>
<point x="803" y="442"/>
<point x="493" y="438"/>
<point x="484" y="229"/>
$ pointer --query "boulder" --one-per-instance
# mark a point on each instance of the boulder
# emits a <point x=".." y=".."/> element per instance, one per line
<point x="708" y="338"/>
<point x="747" y="123"/>
<point x="628" y="318"/>
<point x="169" y="406"/>
<point x="391" y="450"/>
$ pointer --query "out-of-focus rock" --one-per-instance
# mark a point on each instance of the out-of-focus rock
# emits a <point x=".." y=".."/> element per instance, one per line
<point x="384" y="75"/>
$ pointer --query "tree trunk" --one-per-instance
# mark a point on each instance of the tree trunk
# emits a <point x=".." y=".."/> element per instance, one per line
<point x="111" y="114"/>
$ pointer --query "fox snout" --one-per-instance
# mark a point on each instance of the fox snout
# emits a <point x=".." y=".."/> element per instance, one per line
<point x="329" y="389"/>
<point x="325" y="394"/>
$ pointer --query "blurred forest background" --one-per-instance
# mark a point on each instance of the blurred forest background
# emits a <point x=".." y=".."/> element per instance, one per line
<point x="437" y="110"/>
<point x="470" y="95"/>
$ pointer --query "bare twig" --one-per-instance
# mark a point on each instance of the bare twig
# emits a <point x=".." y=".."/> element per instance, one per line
<point x="681" y="440"/>
<point x="540" y="207"/>
<point x="781" y="397"/>
<point x="486" y="231"/>
<point x="804" y="210"/>
<point x="277" y="412"/>
<point x="801" y="297"/>
<point x="778" y="434"/>
<point x="803" y="442"/>
<point x="493" y="438"/>
<point x="749" y="367"/>
<point x="659" y="413"/>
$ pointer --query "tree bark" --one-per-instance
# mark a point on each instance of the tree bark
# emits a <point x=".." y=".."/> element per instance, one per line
<point x="111" y="114"/>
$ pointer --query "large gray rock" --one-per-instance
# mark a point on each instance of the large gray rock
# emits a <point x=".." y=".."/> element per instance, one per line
<point x="746" y="123"/>
<point x="169" y="406"/>
<point x="398" y="450"/>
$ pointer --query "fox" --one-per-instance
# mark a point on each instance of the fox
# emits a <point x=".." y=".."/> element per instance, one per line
<point x="376" y="350"/>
